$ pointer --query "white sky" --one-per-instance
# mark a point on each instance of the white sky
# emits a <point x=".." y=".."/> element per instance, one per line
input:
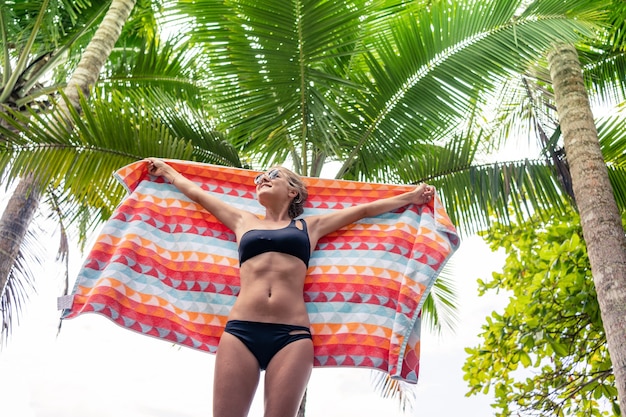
<point x="97" y="369"/>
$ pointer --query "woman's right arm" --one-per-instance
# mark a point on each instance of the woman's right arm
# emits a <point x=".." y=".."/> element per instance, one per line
<point x="230" y="216"/>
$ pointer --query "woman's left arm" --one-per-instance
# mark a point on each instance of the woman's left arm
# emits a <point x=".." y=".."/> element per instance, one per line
<point x="324" y="224"/>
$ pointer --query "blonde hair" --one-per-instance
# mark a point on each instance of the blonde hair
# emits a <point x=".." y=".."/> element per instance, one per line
<point x="296" y="207"/>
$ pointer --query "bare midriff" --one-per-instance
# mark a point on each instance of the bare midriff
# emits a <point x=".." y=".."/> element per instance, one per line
<point x="272" y="290"/>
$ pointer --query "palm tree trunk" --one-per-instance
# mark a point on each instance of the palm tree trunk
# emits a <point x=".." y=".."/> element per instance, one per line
<point x="599" y="215"/>
<point x="14" y="223"/>
<point x="25" y="200"/>
<point x="98" y="51"/>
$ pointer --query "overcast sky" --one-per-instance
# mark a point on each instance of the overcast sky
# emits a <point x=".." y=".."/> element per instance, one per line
<point x="97" y="369"/>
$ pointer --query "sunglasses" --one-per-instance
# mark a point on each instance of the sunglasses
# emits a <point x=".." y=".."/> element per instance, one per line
<point x="275" y="173"/>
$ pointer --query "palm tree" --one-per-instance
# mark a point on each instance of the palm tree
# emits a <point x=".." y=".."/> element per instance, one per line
<point x="600" y="217"/>
<point x="28" y="58"/>
<point x="69" y="151"/>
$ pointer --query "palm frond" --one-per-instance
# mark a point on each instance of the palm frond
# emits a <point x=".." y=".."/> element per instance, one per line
<point x="144" y="22"/>
<point x="603" y="74"/>
<point x="184" y="120"/>
<point x="474" y="194"/>
<point x="171" y="66"/>
<point x="44" y="38"/>
<point x="612" y="134"/>
<point x="617" y="25"/>
<point x="504" y="190"/>
<point x="392" y="388"/>
<point x="280" y="70"/>
<point x="20" y="284"/>
<point x="412" y="102"/>
<point x="81" y="162"/>
<point x="57" y="14"/>
<point x="440" y="309"/>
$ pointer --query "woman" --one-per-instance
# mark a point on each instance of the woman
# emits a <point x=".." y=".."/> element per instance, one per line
<point x="268" y="325"/>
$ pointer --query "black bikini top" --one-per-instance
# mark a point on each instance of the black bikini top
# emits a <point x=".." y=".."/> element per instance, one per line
<point x="290" y="240"/>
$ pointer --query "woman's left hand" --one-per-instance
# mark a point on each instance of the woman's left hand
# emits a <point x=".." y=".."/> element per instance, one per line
<point x="423" y="193"/>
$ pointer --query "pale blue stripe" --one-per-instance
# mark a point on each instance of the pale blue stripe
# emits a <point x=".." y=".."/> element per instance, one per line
<point x="148" y="284"/>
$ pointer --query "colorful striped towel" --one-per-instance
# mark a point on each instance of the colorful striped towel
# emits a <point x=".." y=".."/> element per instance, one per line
<point x="164" y="267"/>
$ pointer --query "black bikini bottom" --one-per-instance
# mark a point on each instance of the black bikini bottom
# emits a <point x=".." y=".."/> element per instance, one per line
<point x="264" y="340"/>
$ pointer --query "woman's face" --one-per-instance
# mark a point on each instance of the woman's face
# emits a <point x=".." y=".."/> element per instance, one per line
<point x="273" y="182"/>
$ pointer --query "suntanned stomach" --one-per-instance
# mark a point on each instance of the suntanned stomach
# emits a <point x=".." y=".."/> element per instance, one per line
<point x="272" y="290"/>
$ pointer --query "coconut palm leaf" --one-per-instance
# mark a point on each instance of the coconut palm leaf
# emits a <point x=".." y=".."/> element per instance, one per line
<point x="476" y="194"/>
<point x="414" y="103"/>
<point x="169" y="65"/>
<point x="613" y="138"/>
<point x="58" y="17"/>
<point x="108" y="134"/>
<point x="280" y="72"/>
<point x="617" y="26"/>
<point x="440" y="307"/>
<point x="392" y="388"/>
<point x="19" y="285"/>
<point x="42" y="35"/>
<point x="612" y="133"/>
